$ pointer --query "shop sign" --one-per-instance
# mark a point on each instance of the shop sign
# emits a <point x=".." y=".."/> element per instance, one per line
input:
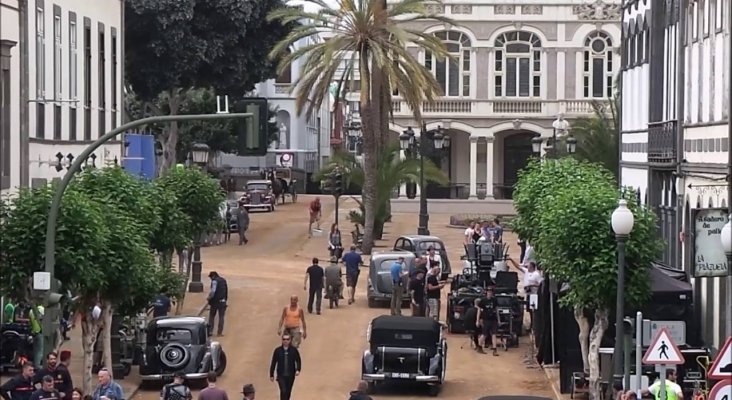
<point x="709" y="258"/>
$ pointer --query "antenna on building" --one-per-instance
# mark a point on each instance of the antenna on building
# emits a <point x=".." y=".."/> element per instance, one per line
<point x="225" y="109"/>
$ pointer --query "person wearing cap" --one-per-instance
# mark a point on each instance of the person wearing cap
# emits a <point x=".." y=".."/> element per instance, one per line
<point x="248" y="391"/>
<point x="217" y="300"/>
<point x="334" y="282"/>
<point x="47" y="390"/>
<point x="177" y="390"/>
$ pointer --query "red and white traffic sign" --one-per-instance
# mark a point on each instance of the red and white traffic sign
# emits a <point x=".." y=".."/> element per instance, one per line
<point x="663" y="350"/>
<point x="721" y="391"/>
<point x="722" y="365"/>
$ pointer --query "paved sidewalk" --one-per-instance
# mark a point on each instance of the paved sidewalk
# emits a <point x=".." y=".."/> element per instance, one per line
<point x="193" y="305"/>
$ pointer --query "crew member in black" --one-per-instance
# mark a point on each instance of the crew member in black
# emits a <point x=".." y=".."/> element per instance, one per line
<point x="286" y="361"/>
<point x="19" y="387"/>
<point x="47" y="390"/>
<point x="217" y="300"/>
<point x="60" y="374"/>
<point x="472" y="324"/>
<point x="488" y="319"/>
<point x="316" y="274"/>
<point x="416" y="291"/>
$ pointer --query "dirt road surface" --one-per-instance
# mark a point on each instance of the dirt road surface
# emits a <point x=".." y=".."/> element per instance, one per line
<point x="264" y="273"/>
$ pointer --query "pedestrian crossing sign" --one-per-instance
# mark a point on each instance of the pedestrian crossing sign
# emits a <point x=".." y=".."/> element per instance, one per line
<point x="663" y="350"/>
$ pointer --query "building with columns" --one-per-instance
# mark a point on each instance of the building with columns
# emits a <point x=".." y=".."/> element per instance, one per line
<point x="517" y="67"/>
<point x="675" y="138"/>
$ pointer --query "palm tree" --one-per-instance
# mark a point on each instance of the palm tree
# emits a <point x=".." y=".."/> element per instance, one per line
<point x="367" y="37"/>
<point x="598" y="136"/>
<point x="392" y="171"/>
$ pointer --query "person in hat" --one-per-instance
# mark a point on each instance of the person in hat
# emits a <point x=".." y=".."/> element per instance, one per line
<point x="217" y="300"/>
<point x="177" y="390"/>
<point x="248" y="391"/>
<point x="333" y="282"/>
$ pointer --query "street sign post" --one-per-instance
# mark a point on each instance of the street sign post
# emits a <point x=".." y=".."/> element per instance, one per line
<point x="721" y="391"/>
<point x="662" y="352"/>
<point x="722" y="366"/>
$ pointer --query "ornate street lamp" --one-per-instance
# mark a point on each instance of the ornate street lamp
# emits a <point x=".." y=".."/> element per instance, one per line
<point x="199" y="153"/>
<point x="622" y="221"/>
<point x="536" y="143"/>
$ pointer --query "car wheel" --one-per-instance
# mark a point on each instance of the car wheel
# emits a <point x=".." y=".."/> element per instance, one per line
<point x="434" y="390"/>
<point x="174" y="356"/>
<point x="222" y="364"/>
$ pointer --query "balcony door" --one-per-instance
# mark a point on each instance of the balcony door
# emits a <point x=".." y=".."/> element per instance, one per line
<point x="516" y="154"/>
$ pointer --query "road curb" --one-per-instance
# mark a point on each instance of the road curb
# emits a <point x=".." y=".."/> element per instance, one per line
<point x="139" y="386"/>
<point x="557" y="391"/>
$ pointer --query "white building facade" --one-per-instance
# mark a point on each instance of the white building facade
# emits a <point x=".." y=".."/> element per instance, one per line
<point x="517" y="68"/>
<point x="10" y="74"/>
<point x="305" y="137"/>
<point x="675" y="140"/>
<point x="68" y="90"/>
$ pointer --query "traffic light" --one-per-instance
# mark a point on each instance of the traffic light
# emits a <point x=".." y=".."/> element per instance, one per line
<point x="338" y="183"/>
<point x="252" y="134"/>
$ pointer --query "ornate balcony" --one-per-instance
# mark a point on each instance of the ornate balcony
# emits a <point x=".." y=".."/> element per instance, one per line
<point x="662" y="142"/>
<point x="450" y="108"/>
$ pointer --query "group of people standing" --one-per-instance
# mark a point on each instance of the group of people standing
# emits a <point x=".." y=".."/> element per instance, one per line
<point x="486" y="231"/>
<point x="421" y="283"/>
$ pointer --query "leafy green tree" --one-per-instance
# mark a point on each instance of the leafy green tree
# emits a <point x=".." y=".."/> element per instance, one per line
<point x="175" y="46"/>
<point x="372" y="40"/>
<point x="598" y="136"/>
<point x="575" y="244"/>
<point x="173" y="231"/>
<point x="392" y="172"/>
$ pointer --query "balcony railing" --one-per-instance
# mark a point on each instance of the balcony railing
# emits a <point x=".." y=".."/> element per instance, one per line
<point x="662" y="142"/>
<point x="509" y="108"/>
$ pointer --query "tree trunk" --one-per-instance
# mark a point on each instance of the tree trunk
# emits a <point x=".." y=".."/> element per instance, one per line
<point x="584" y="335"/>
<point x="593" y="357"/>
<point x="89" y="331"/>
<point x="107" y="335"/>
<point x="169" y="138"/>
<point x="370" y="186"/>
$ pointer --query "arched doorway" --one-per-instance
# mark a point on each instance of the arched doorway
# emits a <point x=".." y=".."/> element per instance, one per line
<point x="517" y="151"/>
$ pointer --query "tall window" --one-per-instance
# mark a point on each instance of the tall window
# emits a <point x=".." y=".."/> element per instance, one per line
<point x="87" y="79"/>
<point x="113" y="87"/>
<point x="452" y="75"/>
<point x="57" y="57"/>
<point x="101" y="72"/>
<point x="518" y="65"/>
<point x="598" y="65"/>
<point x="73" y="75"/>
<point x="40" y="73"/>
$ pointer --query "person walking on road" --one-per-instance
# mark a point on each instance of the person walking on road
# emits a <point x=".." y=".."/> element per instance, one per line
<point x="286" y="361"/>
<point x="293" y="323"/>
<point x="176" y="390"/>
<point x="316" y="211"/>
<point x="333" y="282"/>
<point x="248" y="392"/>
<point x="211" y="392"/>
<point x="242" y="224"/>
<point x="397" y="289"/>
<point x="361" y="392"/>
<point x="217" y="300"/>
<point x="19" y="387"/>
<point x="353" y="262"/>
<point x="316" y="274"/>
<point x="335" y="244"/>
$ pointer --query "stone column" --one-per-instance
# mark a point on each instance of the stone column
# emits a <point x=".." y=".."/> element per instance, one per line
<point x="473" y="167"/>
<point x="489" y="168"/>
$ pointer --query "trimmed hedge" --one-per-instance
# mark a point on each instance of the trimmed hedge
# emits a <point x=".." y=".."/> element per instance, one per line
<point x="465" y="219"/>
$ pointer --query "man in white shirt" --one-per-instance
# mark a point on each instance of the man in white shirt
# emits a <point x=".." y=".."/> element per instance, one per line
<point x="469" y="232"/>
<point x="532" y="278"/>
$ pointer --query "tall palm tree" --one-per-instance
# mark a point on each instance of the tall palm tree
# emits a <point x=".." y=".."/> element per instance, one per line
<point x="367" y="37"/>
<point x="392" y="172"/>
<point x="598" y="135"/>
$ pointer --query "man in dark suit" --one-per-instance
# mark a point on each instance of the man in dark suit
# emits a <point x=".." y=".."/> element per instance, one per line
<point x="286" y="360"/>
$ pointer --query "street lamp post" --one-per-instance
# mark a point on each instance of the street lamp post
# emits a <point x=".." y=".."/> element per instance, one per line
<point x="622" y="221"/>
<point x="199" y="156"/>
<point x="49" y="324"/>
<point x="726" y="239"/>
<point x="537" y="141"/>
<point x="408" y="144"/>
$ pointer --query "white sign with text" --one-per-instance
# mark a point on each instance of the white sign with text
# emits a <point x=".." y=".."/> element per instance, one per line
<point x="709" y="258"/>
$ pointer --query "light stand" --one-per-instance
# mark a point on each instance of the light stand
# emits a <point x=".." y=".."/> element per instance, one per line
<point x="622" y="221"/>
<point x="199" y="156"/>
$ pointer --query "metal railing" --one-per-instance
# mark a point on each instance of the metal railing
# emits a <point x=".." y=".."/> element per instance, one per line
<point x="662" y="142"/>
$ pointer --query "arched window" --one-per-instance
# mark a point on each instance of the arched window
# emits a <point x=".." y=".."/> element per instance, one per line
<point x="598" y="65"/>
<point x="453" y="75"/>
<point x="518" y="65"/>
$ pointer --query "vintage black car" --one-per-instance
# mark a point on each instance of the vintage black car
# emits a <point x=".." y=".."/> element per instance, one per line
<point x="180" y="344"/>
<point x="259" y="195"/>
<point x="405" y="349"/>
<point x="419" y="244"/>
